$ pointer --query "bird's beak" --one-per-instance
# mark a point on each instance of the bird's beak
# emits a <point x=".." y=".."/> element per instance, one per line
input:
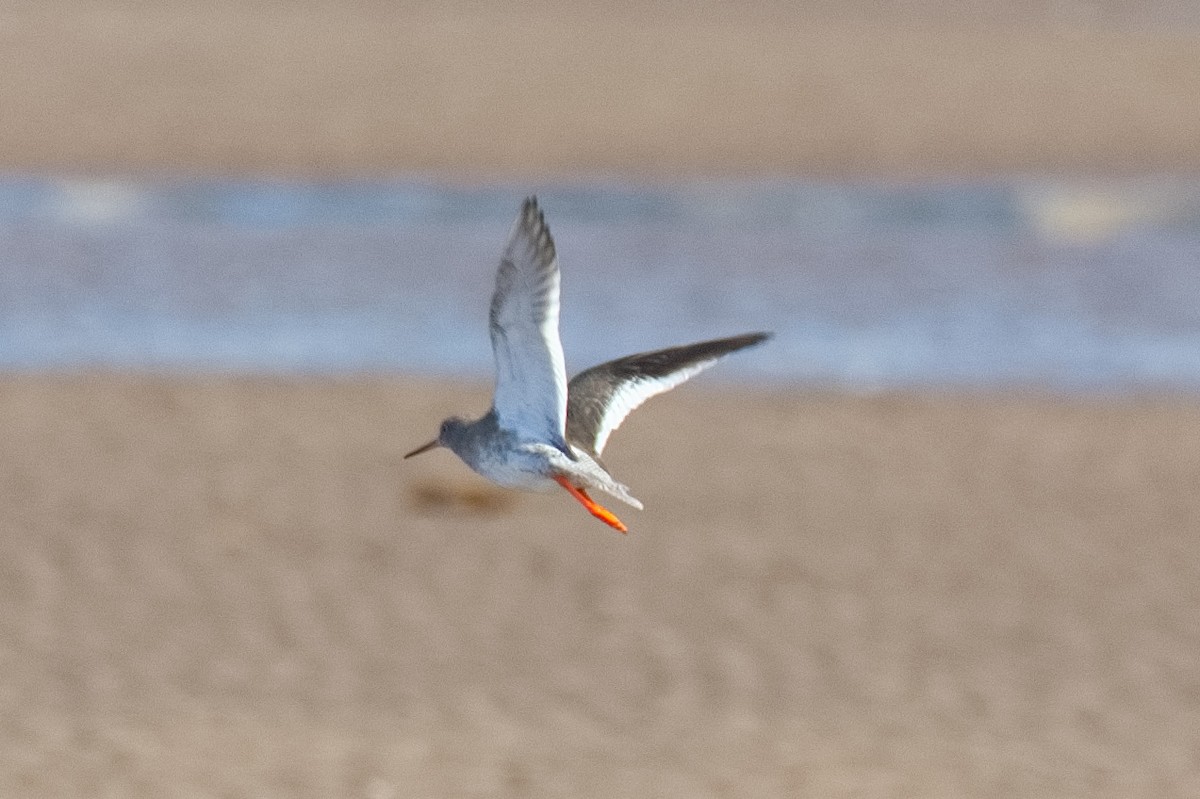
<point x="424" y="448"/>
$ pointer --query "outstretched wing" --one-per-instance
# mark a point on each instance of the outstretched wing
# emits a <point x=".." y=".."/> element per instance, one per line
<point x="531" y="377"/>
<point x="600" y="398"/>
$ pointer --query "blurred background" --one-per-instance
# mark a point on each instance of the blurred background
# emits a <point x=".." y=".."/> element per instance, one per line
<point x="936" y="539"/>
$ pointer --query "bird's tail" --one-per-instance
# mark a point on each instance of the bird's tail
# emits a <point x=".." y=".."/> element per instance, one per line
<point x="621" y="492"/>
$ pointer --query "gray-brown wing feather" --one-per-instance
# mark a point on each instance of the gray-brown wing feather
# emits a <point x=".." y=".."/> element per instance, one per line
<point x="599" y="399"/>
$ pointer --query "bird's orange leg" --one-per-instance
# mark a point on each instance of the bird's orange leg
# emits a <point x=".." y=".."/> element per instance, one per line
<point x="601" y="513"/>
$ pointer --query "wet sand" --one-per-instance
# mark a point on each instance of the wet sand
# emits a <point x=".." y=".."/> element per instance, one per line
<point x="237" y="587"/>
<point x="552" y="90"/>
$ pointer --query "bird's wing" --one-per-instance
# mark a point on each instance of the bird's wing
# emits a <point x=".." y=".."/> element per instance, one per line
<point x="531" y="377"/>
<point x="600" y="398"/>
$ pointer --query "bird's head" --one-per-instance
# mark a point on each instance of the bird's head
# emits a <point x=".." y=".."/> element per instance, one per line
<point x="448" y="434"/>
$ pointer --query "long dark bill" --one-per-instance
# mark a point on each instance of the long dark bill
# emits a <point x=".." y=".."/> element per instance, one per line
<point x="424" y="448"/>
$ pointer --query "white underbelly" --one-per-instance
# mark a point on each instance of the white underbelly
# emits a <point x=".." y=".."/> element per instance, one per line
<point x="510" y="477"/>
<point x="521" y="469"/>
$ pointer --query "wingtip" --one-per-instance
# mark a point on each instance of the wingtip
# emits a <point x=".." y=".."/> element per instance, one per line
<point x="732" y="344"/>
<point x="532" y="222"/>
<point x="531" y="216"/>
<point x="530" y="210"/>
<point x="741" y="341"/>
<point x="747" y="340"/>
<point x="758" y="337"/>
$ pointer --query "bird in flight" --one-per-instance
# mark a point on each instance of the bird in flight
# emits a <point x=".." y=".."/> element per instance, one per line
<point x="542" y="430"/>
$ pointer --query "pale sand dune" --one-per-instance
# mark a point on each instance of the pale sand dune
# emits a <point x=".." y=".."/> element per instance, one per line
<point x="546" y="90"/>
<point x="237" y="588"/>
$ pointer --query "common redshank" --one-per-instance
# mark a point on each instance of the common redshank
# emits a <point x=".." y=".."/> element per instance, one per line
<point x="542" y="430"/>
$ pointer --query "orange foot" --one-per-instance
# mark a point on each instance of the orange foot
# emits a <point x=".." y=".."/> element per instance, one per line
<point x="601" y="513"/>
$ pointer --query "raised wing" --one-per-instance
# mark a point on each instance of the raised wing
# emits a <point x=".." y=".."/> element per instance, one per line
<point x="531" y="377"/>
<point x="600" y="398"/>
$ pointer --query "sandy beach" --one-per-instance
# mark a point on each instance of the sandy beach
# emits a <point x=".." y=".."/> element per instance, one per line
<point x="236" y="587"/>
